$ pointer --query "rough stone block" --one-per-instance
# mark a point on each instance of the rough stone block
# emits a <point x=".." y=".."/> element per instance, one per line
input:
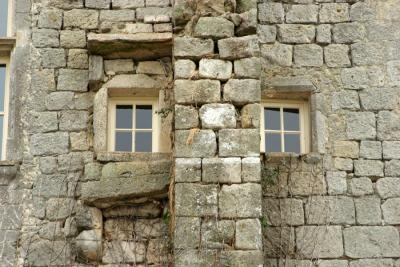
<point x="391" y="149"/>
<point x="330" y="209"/>
<point x="195" y="143"/>
<point x="186" y="117"/>
<point x="345" y="33"/>
<point x="241" y="92"/>
<point x="239" y="142"/>
<point x="50" y="18"/>
<point x="53" y="57"/>
<point x="239" y="47"/>
<point x="197" y="92"/>
<point x="393" y="69"/>
<point x="184" y="69"/>
<point x="78" y="59"/>
<point x="371" y="150"/>
<point x="320" y="241"/>
<point x="361" y="125"/>
<point x="96" y="70"/>
<point x="271" y="12"/>
<point x="73" y="80"/>
<point x="306" y="183"/>
<point x="45" y="38"/>
<point x="248" y="234"/>
<point x="42" y="122"/>
<point x="89" y="245"/>
<point x="278" y="240"/>
<point x="218" y="116"/>
<point x="46" y="252"/>
<point x="298" y="34"/>
<point x="277" y="54"/>
<point x="345" y="99"/>
<point x="187" y="170"/>
<point x="98" y="4"/>
<point x="251" y="169"/>
<point x="214" y="27"/>
<point x="368" y="168"/>
<point x="337" y="183"/>
<point x="193" y="47"/>
<point x="222" y="170"/>
<point x="196" y="200"/>
<point x="266" y="33"/>
<point x="337" y="55"/>
<point x="73" y="120"/>
<point x="355" y="78"/>
<point x="240" y="201"/>
<point x="378" y="99"/>
<point x="388" y="187"/>
<point x="81" y="18"/>
<point x="284" y="212"/>
<point x="49" y="143"/>
<point x="157" y="12"/>
<point x="308" y="55"/>
<point x="371" y="241"/>
<point x="361" y="186"/>
<point x="215" y="233"/>
<point x="367" y="53"/>
<point x="391" y="212"/>
<point x="59" y="208"/>
<point x="345" y="149"/>
<point x="117" y="15"/>
<point x="388" y="126"/>
<point x="323" y="35"/>
<point x="302" y="14"/>
<point x="215" y="69"/>
<point x="151" y="67"/>
<point x="334" y="12"/>
<point x="333" y="263"/>
<point x="123" y="4"/>
<point x="248" y="68"/>
<point x="343" y="164"/>
<point x="392" y="167"/>
<point x="250" y="116"/>
<point x="194" y="257"/>
<point x="187" y="233"/>
<point x="124" y="252"/>
<point x="119" y="66"/>
<point x="372" y="263"/>
<point x="368" y="210"/>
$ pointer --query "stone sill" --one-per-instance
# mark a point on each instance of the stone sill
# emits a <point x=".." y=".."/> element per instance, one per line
<point x="140" y="46"/>
<point x="8" y="171"/>
<point x="276" y="157"/>
<point x="128" y="157"/>
<point x="6" y="45"/>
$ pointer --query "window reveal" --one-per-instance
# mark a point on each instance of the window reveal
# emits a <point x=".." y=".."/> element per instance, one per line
<point x="3" y="18"/>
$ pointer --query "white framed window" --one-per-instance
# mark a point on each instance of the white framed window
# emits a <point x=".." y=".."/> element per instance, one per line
<point x="4" y="95"/>
<point x="133" y="124"/>
<point x="285" y="126"/>
<point x="5" y="18"/>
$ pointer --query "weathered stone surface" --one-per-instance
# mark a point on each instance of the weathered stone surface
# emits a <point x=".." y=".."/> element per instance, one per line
<point x="73" y="39"/>
<point x="248" y="68"/>
<point x="78" y="59"/>
<point x="89" y="245"/>
<point x="73" y="120"/>
<point x="391" y="149"/>
<point x="250" y="116"/>
<point x="388" y="187"/>
<point x="345" y="99"/>
<point x="391" y="213"/>
<point x="277" y="54"/>
<point x="368" y="168"/>
<point x="346" y="149"/>
<point x="320" y="241"/>
<point x="214" y="27"/>
<point x="266" y="33"/>
<point x="195" y="143"/>
<point x="242" y="91"/>
<point x="248" y="234"/>
<point x="371" y="241"/>
<point x="293" y="33"/>
<point x="186" y="117"/>
<point x="240" y="201"/>
<point x="187" y="170"/>
<point x="330" y="209"/>
<point x="323" y="35"/>
<point x="201" y="91"/>
<point x="334" y="12"/>
<point x="151" y="67"/>
<point x="117" y="15"/>
<point x="196" y="200"/>
<point x="308" y="55"/>
<point x="46" y="252"/>
<point x="371" y="149"/>
<point x="239" y="142"/>
<point x="50" y="143"/>
<point x="184" y="69"/>
<point x="378" y="99"/>
<point x="193" y="47"/>
<point x="371" y="263"/>
<point x="98" y="4"/>
<point x="348" y="32"/>
<point x="73" y="80"/>
<point x="271" y="12"/>
<point x="251" y="169"/>
<point x="124" y="252"/>
<point x="368" y="210"/>
<point x="119" y="66"/>
<point x="216" y="233"/>
<point x="388" y="126"/>
<point x="50" y="18"/>
<point x="84" y="19"/>
<point x="239" y="47"/>
<point x="215" y="69"/>
<point x="59" y="208"/>
<point x="361" y="186"/>
<point x="194" y="257"/>
<point x="122" y="4"/>
<point x="283" y="212"/>
<point x="302" y="14"/>
<point x="221" y="170"/>
<point x="137" y="82"/>
<point x="307" y="183"/>
<point x="218" y="116"/>
<point x="45" y="38"/>
<point x="187" y="232"/>
<point x="366" y="53"/>
<point x="392" y="168"/>
<point x="336" y="182"/>
<point x="53" y="57"/>
<point x="333" y="263"/>
<point x="337" y="55"/>
<point x="248" y="23"/>
<point x="361" y="125"/>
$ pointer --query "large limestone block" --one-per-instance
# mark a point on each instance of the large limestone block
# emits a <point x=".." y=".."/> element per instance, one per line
<point x="81" y="18"/>
<point x="330" y="210"/>
<point x="248" y="234"/>
<point x="197" y="92"/>
<point x="194" y="257"/>
<point x="239" y="47"/>
<point x="193" y="47"/>
<point x="372" y="263"/>
<point x="187" y="232"/>
<point x="242" y="91"/>
<point x="388" y="187"/>
<point x="214" y="27"/>
<point x="195" y="143"/>
<point x="282" y="212"/>
<point x="124" y="252"/>
<point x="293" y="33"/>
<point x="371" y="242"/>
<point x="306" y="183"/>
<point x="302" y="14"/>
<point x="218" y="116"/>
<point x="251" y="169"/>
<point x="388" y="126"/>
<point x="248" y="68"/>
<point x="216" y="233"/>
<point x="89" y="244"/>
<point x="334" y="12"/>
<point x="73" y="80"/>
<point x="240" y="201"/>
<point x="361" y="125"/>
<point x="368" y="210"/>
<point x="364" y="167"/>
<point x="187" y="170"/>
<point x="196" y="200"/>
<point x="49" y="143"/>
<point x="239" y="258"/>
<point x="133" y="81"/>
<point x="320" y="241"/>
<point x="222" y="170"/>
<point x="391" y="211"/>
<point x="215" y="69"/>
<point x="46" y="252"/>
<point x="271" y="12"/>
<point x="239" y="142"/>
<point x="186" y="117"/>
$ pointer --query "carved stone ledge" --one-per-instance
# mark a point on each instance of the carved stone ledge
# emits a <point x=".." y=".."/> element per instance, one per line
<point x="8" y="171"/>
<point x="6" y="45"/>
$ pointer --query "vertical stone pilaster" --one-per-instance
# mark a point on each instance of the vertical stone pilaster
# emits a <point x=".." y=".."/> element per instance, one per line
<point x="217" y="136"/>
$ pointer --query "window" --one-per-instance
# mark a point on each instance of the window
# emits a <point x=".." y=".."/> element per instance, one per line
<point x="133" y="125"/>
<point x="4" y="18"/>
<point x="4" y="83"/>
<point x="285" y="127"/>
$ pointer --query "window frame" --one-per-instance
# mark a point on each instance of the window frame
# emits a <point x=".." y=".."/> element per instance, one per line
<point x="5" y="61"/>
<point x="304" y="116"/>
<point x="134" y="101"/>
<point x="9" y="13"/>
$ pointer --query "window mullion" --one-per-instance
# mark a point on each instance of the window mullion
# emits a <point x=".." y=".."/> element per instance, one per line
<point x="133" y="127"/>
<point x="282" y="130"/>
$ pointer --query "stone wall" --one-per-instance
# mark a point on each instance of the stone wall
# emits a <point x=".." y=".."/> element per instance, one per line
<point x="334" y="208"/>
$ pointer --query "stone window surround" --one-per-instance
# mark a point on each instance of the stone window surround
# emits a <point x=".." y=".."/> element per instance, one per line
<point x="5" y="114"/>
<point x="100" y="125"/>
<point x="300" y="89"/>
<point x="9" y="18"/>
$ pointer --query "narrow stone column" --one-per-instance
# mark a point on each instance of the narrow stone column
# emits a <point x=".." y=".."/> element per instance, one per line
<point x="217" y="191"/>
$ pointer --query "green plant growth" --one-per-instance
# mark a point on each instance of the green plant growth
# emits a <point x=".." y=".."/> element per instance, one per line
<point x="269" y="175"/>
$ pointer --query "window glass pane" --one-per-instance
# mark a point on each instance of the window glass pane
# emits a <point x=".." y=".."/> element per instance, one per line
<point x="123" y="141"/>
<point x="292" y="143"/>
<point x="144" y="117"/>
<point x="1" y="137"/>
<point x="272" y="119"/>
<point x="291" y="119"/>
<point x="272" y="142"/>
<point x="2" y="85"/>
<point x="3" y="17"/>
<point x="143" y="142"/>
<point x="124" y="117"/>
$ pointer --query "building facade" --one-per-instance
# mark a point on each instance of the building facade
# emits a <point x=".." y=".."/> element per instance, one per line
<point x="200" y="133"/>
